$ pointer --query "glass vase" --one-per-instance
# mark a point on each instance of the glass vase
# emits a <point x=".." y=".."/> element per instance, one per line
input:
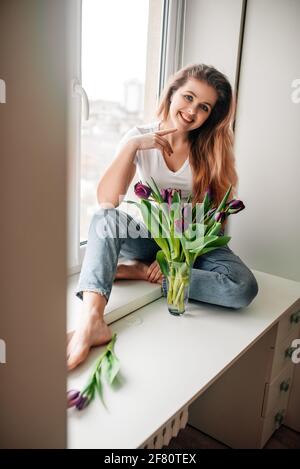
<point x="178" y="284"/>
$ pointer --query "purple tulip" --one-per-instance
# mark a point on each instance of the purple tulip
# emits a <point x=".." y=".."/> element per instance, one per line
<point x="220" y="217"/>
<point x="235" y="206"/>
<point x="164" y="194"/>
<point x="209" y="194"/>
<point x="167" y="194"/>
<point x="171" y="194"/>
<point x="187" y="214"/>
<point x="142" y="191"/>
<point x="210" y="212"/>
<point x="73" y="397"/>
<point x="181" y="224"/>
<point x="83" y="402"/>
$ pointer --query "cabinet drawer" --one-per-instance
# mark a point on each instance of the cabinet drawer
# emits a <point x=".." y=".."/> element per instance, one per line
<point x="271" y="423"/>
<point x="281" y="358"/>
<point x="289" y="322"/>
<point x="277" y="392"/>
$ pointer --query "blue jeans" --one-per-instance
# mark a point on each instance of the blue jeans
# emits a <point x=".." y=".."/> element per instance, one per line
<point x="218" y="277"/>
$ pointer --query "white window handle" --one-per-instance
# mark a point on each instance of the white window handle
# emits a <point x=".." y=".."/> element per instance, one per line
<point x="78" y="89"/>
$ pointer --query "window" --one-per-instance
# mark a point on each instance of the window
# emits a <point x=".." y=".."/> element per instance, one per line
<point x="119" y="55"/>
<point x="114" y="62"/>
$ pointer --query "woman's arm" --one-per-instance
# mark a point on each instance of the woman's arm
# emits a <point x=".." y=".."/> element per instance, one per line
<point x="114" y="184"/>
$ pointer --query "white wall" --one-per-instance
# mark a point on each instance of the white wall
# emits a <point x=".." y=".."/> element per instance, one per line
<point x="212" y="34"/>
<point x="267" y="234"/>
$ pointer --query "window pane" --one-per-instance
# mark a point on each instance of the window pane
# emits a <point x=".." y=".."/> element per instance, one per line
<point x="114" y="52"/>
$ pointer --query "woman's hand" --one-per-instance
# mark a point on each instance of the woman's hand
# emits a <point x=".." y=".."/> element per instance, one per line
<point x="154" y="140"/>
<point x="154" y="273"/>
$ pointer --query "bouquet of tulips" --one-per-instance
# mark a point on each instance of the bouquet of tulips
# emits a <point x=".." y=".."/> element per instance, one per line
<point x="183" y="231"/>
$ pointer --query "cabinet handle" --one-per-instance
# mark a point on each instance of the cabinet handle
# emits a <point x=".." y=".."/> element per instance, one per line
<point x="289" y="351"/>
<point x="278" y="419"/>
<point x="284" y="386"/>
<point x="295" y="317"/>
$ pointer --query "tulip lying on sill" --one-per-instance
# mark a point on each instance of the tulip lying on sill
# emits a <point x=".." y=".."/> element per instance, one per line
<point x="107" y="365"/>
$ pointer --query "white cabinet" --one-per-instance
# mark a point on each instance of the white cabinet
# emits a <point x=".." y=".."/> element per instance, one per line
<point x="249" y="401"/>
<point x="292" y="418"/>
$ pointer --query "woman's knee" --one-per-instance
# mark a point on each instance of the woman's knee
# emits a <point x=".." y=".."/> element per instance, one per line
<point x="104" y="213"/>
<point x="106" y="222"/>
<point x="244" y="292"/>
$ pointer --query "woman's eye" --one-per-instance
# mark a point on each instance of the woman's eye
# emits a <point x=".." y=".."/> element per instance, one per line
<point x="187" y="96"/>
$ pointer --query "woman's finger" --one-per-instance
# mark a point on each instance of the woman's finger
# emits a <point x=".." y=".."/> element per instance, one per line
<point x="156" y="272"/>
<point x="157" y="277"/>
<point x="164" y="142"/>
<point x="152" y="276"/>
<point x="152" y="272"/>
<point x="166" y="131"/>
<point x="151" y="267"/>
<point x="165" y="151"/>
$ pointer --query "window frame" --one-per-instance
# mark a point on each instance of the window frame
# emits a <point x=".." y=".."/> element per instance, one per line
<point x="170" y="60"/>
<point x="74" y="253"/>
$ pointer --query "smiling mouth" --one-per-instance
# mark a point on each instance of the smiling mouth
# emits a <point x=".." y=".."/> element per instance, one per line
<point x="185" y="120"/>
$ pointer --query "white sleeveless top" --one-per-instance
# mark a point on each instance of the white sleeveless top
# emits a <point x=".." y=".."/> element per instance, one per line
<point x="151" y="163"/>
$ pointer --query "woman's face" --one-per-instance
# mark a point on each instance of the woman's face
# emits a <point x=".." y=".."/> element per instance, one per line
<point x="191" y="105"/>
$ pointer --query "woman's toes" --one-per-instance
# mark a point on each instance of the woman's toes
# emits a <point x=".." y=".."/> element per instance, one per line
<point x="77" y="357"/>
<point x="92" y="331"/>
<point x="143" y="268"/>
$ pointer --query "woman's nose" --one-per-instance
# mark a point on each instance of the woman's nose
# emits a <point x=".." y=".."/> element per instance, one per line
<point x="191" y="112"/>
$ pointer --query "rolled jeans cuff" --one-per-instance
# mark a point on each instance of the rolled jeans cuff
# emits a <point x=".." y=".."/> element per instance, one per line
<point x="92" y="289"/>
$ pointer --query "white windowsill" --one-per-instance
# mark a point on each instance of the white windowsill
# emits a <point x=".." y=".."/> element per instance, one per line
<point x="126" y="297"/>
<point x="167" y="362"/>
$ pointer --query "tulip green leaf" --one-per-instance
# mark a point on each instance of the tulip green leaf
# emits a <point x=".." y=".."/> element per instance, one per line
<point x="215" y="230"/>
<point x="224" y="200"/>
<point x="155" y="190"/>
<point x="114" y="368"/>
<point x="194" y="231"/>
<point x="163" y="263"/>
<point x="99" y="385"/>
<point x="206" y="202"/>
<point x="105" y="367"/>
<point x="200" y="243"/>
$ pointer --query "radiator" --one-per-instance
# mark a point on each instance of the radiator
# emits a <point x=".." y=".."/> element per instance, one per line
<point x="169" y="431"/>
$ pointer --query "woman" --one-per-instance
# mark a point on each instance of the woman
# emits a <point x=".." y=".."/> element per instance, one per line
<point x="190" y="148"/>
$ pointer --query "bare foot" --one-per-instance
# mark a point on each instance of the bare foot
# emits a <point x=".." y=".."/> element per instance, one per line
<point x="91" y="331"/>
<point x="136" y="271"/>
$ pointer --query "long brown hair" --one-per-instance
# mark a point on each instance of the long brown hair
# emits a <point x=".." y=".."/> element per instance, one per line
<point x="212" y="157"/>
